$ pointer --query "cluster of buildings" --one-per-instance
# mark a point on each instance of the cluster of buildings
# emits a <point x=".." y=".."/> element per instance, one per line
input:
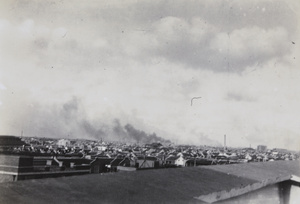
<point x="259" y="181"/>
<point x="32" y="157"/>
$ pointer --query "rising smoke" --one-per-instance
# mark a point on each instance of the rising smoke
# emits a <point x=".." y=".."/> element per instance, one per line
<point x="70" y="121"/>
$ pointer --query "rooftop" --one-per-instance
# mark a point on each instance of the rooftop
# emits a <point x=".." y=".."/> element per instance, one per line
<point x="179" y="185"/>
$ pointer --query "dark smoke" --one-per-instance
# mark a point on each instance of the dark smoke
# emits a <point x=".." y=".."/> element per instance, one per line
<point x="141" y="137"/>
<point x="70" y="121"/>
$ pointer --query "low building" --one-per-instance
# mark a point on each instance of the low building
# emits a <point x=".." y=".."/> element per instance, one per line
<point x="262" y="148"/>
<point x="100" y="165"/>
<point x="8" y="142"/>
<point x="147" y="162"/>
<point x="101" y="148"/>
<point x="259" y="182"/>
<point x="63" y="143"/>
<point x="19" y="167"/>
<point x="175" y="161"/>
<point x="12" y="166"/>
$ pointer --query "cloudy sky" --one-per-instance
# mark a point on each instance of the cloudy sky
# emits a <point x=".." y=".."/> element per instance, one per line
<point x="77" y="69"/>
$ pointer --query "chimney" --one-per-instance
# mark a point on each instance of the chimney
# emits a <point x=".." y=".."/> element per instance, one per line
<point x="224" y="142"/>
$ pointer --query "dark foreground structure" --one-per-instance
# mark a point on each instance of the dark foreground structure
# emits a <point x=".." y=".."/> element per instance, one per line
<point x="268" y="182"/>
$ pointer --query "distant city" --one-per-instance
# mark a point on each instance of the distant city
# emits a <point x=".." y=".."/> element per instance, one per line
<point x="51" y="157"/>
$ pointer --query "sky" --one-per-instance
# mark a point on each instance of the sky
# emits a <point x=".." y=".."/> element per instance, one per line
<point x="88" y="69"/>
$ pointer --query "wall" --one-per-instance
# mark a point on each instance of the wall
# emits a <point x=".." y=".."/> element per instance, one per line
<point x="283" y="193"/>
<point x="14" y="163"/>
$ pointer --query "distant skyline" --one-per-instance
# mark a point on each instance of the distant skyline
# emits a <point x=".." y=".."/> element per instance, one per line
<point x="188" y="71"/>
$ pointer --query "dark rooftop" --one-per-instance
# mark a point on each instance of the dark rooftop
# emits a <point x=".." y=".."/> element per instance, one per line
<point x="178" y="185"/>
<point x="8" y="140"/>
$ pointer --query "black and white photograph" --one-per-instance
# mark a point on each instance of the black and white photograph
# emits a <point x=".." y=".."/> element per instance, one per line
<point x="144" y="101"/>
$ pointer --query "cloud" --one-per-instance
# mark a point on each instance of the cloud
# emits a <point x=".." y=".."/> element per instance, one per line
<point x="200" y="36"/>
<point x="198" y="45"/>
<point x="2" y="86"/>
<point x="249" y="46"/>
<point x="238" y="97"/>
<point x="217" y="40"/>
<point x="142" y="62"/>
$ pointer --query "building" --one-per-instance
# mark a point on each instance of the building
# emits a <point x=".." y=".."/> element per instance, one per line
<point x="147" y="162"/>
<point x="100" y="165"/>
<point x="63" y="143"/>
<point x="280" y="150"/>
<point x="8" y="142"/>
<point x="12" y="166"/>
<point x="262" y="148"/>
<point x="175" y="160"/>
<point x="19" y="167"/>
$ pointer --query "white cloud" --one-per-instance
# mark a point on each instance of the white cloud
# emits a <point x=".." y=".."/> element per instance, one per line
<point x="171" y="29"/>
<point x="2" y="86"/>
<point x="258" y="42"/>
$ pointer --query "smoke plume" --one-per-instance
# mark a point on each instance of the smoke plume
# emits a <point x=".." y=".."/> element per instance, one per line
<point x="69" y="120"/>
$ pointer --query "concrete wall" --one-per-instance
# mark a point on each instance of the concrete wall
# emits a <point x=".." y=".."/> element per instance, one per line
<point x="15" y="163"/>
<point x="125" y="168"/>
<point x="7" y="178"/>
<point x="283" y="193"/>
<point x="266" y="195"/>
